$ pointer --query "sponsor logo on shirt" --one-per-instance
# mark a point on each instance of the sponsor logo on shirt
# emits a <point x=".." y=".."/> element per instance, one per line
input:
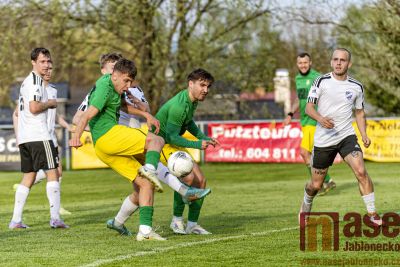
<point x="349" y="95"/>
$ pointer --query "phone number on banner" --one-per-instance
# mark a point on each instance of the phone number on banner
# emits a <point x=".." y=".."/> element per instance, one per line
<point x="258" y="153"/>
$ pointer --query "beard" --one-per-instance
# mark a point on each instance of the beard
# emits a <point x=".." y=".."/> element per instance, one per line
<point x="340" y="73"/>
<point x="305" y="73"/>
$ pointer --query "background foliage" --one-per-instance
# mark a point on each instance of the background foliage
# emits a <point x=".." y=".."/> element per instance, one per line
<point x="241" y="42"/>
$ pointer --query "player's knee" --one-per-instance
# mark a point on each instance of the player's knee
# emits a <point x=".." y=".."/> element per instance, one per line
<point x="310" y="190"/>
<point x="155" y="140"/>
<point x="143" y="184"/>
<point x="160" y="141"/>
<point x="361" y="173"/>
<point x="317" y="185"/>
<point x="134" y="198"/>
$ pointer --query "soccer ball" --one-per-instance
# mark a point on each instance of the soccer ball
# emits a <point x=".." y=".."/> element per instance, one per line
<point x="180" y="164"/>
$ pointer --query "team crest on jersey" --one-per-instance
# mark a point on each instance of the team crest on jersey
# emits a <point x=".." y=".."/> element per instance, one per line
<point x="349" y="95"/>
<point x="308" y="82"/>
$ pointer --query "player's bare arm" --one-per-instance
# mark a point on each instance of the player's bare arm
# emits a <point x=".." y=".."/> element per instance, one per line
<point x="36" y="107"/>
<point x="15" y="121"/>
<point x="313" y="113"/>
<point x="85" y="118"/>
<point x="63" y="123"/>
<point x="294" y="109"/>
<point x="150" y="119"/>
<point x="77" y="117"/>
<point x="362" y="126"/>
<point x="143" y="106"/>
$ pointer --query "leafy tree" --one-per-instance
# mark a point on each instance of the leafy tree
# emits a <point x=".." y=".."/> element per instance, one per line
<point x="161" y="36"/>
<point x="373" y="35"/>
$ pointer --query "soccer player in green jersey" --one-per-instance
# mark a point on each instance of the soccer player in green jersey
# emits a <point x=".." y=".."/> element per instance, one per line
<point x="116" y="145"/>
<point x="304" y="80"/>
<point x="176" y="117"/>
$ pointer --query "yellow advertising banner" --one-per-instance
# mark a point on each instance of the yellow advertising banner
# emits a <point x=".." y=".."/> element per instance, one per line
<point x="385" y="140"/>
<point x="85" y="156"/>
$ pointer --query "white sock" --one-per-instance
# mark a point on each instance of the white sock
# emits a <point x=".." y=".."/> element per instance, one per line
<point x="191" y="224"/>
<point x="149" y="166"/>
<point x="172" y="181"/>
<point x="176" y="218"/>
<point x="307" y="198"/>
<point x="54" y="197"/>
<point x="126" y="210"/>
<point x="40" y="175"/>
<point x="145" y="229"/>
<point x="20" y="198"/>
<point x="369" y="201"/>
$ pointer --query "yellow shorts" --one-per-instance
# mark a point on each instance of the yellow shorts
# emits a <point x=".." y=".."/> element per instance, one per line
<point x="308" y="137"/>
<point x="168" y="150"/>
<point x="120" y="149"/>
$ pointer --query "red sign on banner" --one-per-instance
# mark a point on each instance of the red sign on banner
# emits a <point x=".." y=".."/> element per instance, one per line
<point x="255" y="142"/>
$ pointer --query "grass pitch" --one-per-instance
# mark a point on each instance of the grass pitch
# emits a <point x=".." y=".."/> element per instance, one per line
<point x="252" y="213"/>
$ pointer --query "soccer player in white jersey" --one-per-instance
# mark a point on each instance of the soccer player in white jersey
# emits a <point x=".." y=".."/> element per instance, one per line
<point x="336" y="94"/>
<point x="51" y="124"/>
<point x="134" y="97"/>
<point x="35" y="145"/>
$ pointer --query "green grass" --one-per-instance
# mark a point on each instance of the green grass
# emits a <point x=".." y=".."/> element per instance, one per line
<point x="246" y="199"/>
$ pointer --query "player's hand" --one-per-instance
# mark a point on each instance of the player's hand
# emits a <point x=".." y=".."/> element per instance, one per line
<point x="151" y="121"/>
<point x="287" y="120"/>
<point x="51" y="103"/>
<point x="214" y="142"/>
<point x="75" y="142"/>
<point x="326" y="122"/>
<point x="366" y="141"/>
<point x="206" y="143"/>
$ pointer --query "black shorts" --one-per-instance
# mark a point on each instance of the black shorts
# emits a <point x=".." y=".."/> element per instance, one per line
<point x="38" y="155"/>
<point x="323" y="157"/>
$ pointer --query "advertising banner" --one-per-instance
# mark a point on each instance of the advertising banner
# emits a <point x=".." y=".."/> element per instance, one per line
<point x="85" y="157"/>
<point x="255" y="142"/>
<point x="9" y="152"/>
<point x="385" y="140"/>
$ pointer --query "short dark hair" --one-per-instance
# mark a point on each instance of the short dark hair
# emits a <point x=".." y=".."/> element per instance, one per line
<point x="304" y="54"/>
<point x="127" y="66"/>
<point x="200" y="74"/>
<point x="343" y="49"/>
<point x="109" y="57"/>
<point x="39" y="50"/>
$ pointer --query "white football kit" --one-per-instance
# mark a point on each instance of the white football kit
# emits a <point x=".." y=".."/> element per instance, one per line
<point x="335" y="100"/>
<point x="126" y="119"/>
<point x="32" y="127"/>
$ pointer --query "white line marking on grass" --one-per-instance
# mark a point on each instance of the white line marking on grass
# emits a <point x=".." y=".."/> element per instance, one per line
<point x="182" y="245"/>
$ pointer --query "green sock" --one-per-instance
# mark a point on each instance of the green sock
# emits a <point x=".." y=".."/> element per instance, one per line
<point x="179" y="206"/>
<point x="152" y="157"/>
<point x="194" y="210"/>
<point x="327" y="178"/>
<point x="146" y="215"/>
